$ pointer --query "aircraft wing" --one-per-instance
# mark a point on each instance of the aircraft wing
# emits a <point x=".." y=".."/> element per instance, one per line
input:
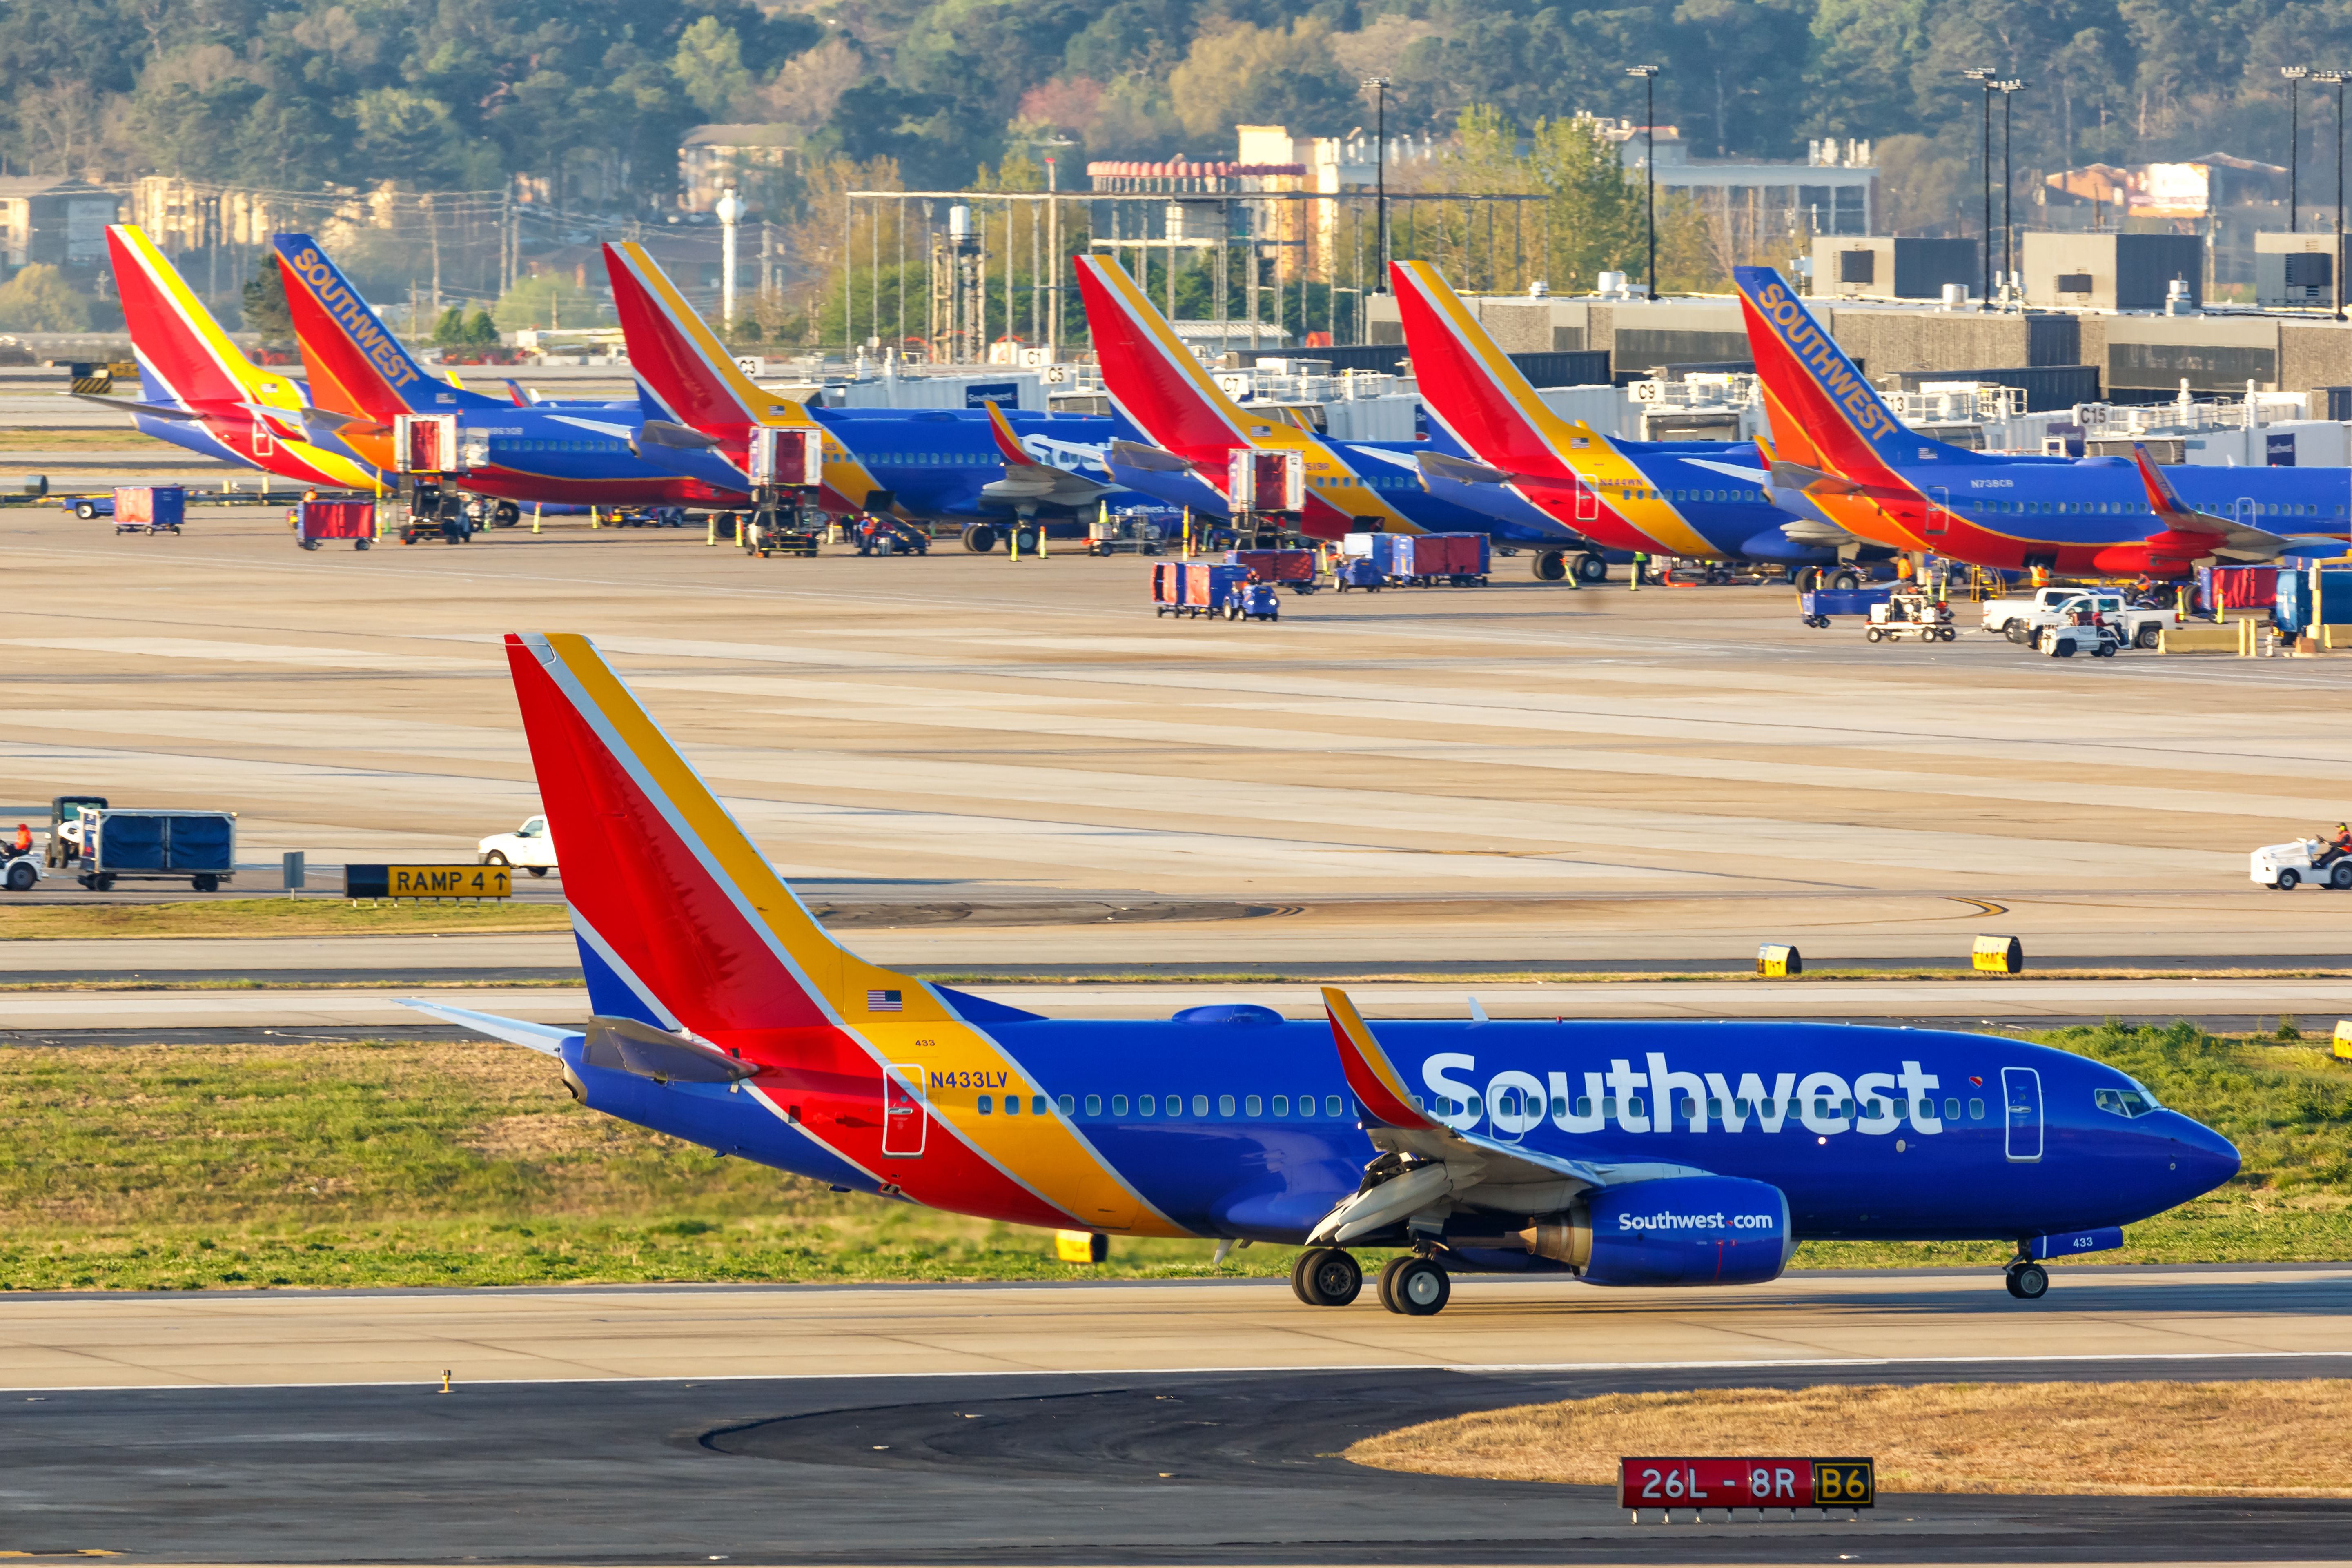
<point x="2209" y="533"/>
<point x="1439" y="1162"/>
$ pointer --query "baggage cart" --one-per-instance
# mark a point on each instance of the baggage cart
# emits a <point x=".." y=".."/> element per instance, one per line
<point x="1291" y="568"/>
<point x="150" y="508"/>
<point x="1200" y="588"/>
<point x="1818" y="605"/>
<point x="124" y="845"/>
<point x="1914" y="614"/>
<point x="316" y="521"/>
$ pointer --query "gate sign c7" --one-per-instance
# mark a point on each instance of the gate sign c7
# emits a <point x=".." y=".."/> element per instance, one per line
<point x="1746" y="1483"/>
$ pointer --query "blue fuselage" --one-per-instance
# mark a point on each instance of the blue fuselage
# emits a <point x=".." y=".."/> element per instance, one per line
<point x="1871" y="1132"/>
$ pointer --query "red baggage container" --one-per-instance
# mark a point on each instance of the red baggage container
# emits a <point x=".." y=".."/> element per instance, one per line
<point x="1274" y="565"/>
<point x="319" y="519"/>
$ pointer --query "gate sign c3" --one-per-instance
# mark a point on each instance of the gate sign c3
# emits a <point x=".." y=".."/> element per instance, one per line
<point x="428" y="882"/>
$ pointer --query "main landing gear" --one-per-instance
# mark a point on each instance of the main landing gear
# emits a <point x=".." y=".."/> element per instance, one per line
<point x="2028" y="1280"/>
<point x="1327" y="1276"/>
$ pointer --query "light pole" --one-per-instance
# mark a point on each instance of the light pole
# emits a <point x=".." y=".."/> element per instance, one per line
<point x="2337" y="81"/>
<point x="2008" y="183"/>
<point x="1649" y="75"/>
<point x="1982" y="77"/>
<point x="2294" y="75"/>
<point x="1380" y="86"/>
<point x="731" y="213"/>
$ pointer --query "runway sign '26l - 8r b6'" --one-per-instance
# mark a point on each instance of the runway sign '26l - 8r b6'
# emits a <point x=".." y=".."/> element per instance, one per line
<point x="428" y="882"/>
<point x="1746" y="1483"/>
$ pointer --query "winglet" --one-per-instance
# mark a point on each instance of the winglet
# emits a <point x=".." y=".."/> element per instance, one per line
<point x="1006" y="441"/>
<point x="1374" y="1080"/>
<point x="2179" y="515"/>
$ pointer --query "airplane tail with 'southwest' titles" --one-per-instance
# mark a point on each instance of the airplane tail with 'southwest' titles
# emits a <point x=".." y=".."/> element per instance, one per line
<point x="356" y="364"/>
<point x="1819" y="404"/>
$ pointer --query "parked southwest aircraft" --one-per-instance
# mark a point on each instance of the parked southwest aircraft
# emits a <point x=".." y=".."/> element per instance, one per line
<point x="1193" y="428"/>
<point x="1844" y="450"/>
<point x="1620" y="1154"/>
<point x="363" y="380"/>
<point x="1703" y="500"/>
<point x="197" y="390"/>
<point x="916" y="463"/>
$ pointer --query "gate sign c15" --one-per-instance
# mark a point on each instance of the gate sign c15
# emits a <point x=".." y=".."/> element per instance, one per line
<point x="428" y="882"/>
<point x="1746" y="1483"/>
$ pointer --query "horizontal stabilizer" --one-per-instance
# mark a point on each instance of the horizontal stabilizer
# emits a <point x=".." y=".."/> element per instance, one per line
<point x="1461" y="470"/>
<point x="155" y="410"/>
<point x="1149" y="459"/>
<point x="545" y="1037"/>
<point x="634" y="1047"/>
<point x="1797" y="476"/>
<point x="664" y="432"/>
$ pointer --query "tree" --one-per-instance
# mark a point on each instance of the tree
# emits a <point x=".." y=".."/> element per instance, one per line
<point x="265" y="304"/>
<point x="480" y="331"/>
<point x="709" y="65"/>
<point x="449" y="331"/>
<point x="39" y="299"/>
<point x="1262" y="76"/>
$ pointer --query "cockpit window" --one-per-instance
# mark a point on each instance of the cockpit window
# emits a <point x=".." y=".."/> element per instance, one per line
<point x="2125" y="1102"/>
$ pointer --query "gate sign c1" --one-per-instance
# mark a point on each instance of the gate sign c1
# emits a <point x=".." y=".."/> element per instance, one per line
<point x="1746" y="1483"/>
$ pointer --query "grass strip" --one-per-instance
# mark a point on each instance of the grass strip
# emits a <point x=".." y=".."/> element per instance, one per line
<point x="2271" y="1438"/>
<point x="194" y="1167"/>
<point x="275" y="917"/>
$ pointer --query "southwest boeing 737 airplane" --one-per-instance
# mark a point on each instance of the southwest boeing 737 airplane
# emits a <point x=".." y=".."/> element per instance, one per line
<point x="1701" y="501"/>
<point x="197" y="389"/>
<point x="948" y="464"/>
<point x="1844" y="450"/>
<point x="362" y="379"/>
<point x="1170" y="397"/>
<point x="1680" y="1153"/>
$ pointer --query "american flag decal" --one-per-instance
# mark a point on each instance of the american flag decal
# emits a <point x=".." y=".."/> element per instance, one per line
<point x="883" y="1002"/>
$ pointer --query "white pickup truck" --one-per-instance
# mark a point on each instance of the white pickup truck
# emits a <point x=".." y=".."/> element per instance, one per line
<point x="2024" y="620"/>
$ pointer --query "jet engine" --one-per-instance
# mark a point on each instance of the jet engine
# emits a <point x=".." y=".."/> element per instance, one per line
<point x="1676" y="1230"/>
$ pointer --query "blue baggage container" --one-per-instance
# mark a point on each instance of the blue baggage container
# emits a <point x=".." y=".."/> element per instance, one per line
<point x="1822" y="603"/>
<point x="1358" y="572"/>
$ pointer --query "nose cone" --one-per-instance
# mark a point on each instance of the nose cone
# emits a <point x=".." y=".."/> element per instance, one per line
<point x="2202" y="1158"/>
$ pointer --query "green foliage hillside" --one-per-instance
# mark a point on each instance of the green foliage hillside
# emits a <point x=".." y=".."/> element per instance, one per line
<point x="291" y="94"/>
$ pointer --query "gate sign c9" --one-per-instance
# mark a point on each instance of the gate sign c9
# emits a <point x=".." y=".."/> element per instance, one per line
<point x="1746" y="1483"/>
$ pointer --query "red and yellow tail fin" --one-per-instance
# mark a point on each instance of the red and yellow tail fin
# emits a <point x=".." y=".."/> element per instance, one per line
<point x="1164" y="389"/>
<point x="1471" y="384"/>
<point x="1374" y="1080"/>
<point x="678" y="355"/>
<point x="175" y="336"/>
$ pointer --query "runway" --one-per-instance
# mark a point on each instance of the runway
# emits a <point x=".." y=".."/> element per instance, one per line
<point x="137" y="1014"/>
<point x="941" y="1424"/>
<point x="252" y="1338"/>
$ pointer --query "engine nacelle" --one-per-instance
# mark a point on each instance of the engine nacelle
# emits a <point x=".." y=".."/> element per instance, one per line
<point x="1677" y="1230"/>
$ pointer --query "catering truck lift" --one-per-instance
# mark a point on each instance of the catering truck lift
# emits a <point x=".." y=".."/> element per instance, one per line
<point x="787" y="469"/>
<point x="425" y="454"/>
<point x="1266" y="492"/>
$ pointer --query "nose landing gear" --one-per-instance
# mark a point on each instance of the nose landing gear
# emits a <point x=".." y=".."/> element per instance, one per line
<point x="2028" y="1281"/>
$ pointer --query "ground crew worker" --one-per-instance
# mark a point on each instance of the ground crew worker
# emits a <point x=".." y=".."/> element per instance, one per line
<point x="2337" y="847"/>
<point x="1641" y="566"/>
<point x="23" y="840"/>
<point x="1903" y="568"/>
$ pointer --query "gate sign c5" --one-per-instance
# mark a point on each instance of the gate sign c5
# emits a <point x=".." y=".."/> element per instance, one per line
<point x="428" y="882"/>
